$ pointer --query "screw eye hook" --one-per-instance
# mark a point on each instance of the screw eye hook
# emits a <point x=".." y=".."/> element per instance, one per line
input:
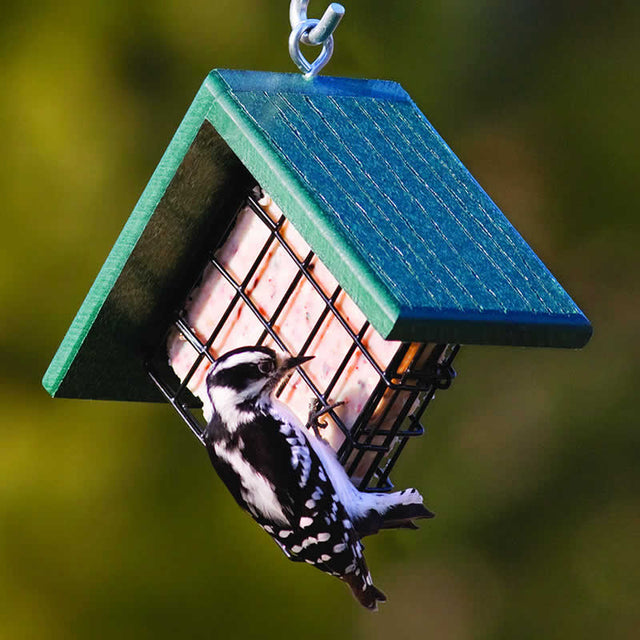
<point x="312" y="32"/>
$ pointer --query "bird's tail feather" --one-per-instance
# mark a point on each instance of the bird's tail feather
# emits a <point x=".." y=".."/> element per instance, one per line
<point x="392" y="511"/>
<point x="364" y="592"/>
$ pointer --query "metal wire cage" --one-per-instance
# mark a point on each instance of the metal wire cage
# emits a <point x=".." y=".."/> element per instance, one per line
<point x="371" y="445"/>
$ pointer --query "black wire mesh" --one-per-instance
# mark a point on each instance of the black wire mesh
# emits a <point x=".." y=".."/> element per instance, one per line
<point x="391" y="415"/>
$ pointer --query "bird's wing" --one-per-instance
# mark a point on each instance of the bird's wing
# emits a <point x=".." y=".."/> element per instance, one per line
<point x="278" y="454"/>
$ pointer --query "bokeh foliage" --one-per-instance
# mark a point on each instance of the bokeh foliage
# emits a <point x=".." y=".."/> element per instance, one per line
<point x="113" y="524"/>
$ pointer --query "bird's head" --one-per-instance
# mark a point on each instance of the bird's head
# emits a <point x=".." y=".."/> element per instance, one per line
<point x="241" y="378"/>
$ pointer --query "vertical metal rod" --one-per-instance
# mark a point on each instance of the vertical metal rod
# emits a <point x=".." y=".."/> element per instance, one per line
<point x="286" y="297"/>
<point x="186" y="415"/>
<point x="345" y="361"/>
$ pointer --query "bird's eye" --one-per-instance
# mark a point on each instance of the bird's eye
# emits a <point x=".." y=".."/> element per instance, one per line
<point x="266" y="366"/>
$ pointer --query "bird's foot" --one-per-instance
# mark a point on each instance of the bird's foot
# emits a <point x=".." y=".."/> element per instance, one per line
<point x="316" y="411"/>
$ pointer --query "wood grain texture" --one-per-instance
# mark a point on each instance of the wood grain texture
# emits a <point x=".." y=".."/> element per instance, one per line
<point x="392" y="211"/>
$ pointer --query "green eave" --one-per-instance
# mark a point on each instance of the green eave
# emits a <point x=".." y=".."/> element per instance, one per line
<point x="372" y="187"/>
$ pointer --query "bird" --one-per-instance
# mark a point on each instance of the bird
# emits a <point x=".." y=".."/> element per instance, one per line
<point x="289" y="479"/>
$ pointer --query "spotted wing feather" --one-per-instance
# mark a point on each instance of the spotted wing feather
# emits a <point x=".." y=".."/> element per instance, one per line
<point x="315" y="527"/>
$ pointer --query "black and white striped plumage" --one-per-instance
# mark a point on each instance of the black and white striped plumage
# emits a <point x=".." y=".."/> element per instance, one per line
<point x="288" y="479"/>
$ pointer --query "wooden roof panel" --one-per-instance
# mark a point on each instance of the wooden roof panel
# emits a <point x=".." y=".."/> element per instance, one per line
<point x="420" y="235"/>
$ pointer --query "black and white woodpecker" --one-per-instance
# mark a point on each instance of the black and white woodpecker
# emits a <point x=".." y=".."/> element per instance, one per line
<point x="290" y="480"/>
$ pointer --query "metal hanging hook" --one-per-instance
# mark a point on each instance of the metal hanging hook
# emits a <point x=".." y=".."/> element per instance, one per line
<point x="312" y="32"/>
<point x="323" y="29"/>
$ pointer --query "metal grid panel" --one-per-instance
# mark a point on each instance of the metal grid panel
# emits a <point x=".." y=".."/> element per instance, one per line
<point x="391" y="416"/>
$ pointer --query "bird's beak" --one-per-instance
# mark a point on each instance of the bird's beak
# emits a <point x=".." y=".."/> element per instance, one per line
<point x="287" y="364"/>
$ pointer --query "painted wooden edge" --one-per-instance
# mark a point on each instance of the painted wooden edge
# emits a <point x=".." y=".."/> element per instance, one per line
<point x="265" y="81"/>
<point x="493" y="329"/>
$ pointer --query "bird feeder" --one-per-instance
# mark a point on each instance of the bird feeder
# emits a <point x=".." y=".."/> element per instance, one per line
<point x="321" y="216"/>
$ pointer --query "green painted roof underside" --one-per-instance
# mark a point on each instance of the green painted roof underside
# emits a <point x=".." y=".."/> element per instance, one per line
<point x="374" y="190"/>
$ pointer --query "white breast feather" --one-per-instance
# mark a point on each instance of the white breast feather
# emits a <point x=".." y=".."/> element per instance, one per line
<point x="257" y="491"/>
<point x="225" y="400"/>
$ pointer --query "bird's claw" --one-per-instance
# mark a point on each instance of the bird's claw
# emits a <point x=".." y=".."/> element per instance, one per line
<point x="317" y="410"/>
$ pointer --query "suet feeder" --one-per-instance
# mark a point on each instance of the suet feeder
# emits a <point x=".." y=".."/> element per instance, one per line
<point x="322" y="216"/>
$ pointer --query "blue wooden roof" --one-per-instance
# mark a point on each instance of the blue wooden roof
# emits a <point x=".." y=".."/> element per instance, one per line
<point x="392" y="211"/>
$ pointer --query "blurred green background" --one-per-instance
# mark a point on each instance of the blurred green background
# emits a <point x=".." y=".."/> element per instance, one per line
<point x="112" y="522"/>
